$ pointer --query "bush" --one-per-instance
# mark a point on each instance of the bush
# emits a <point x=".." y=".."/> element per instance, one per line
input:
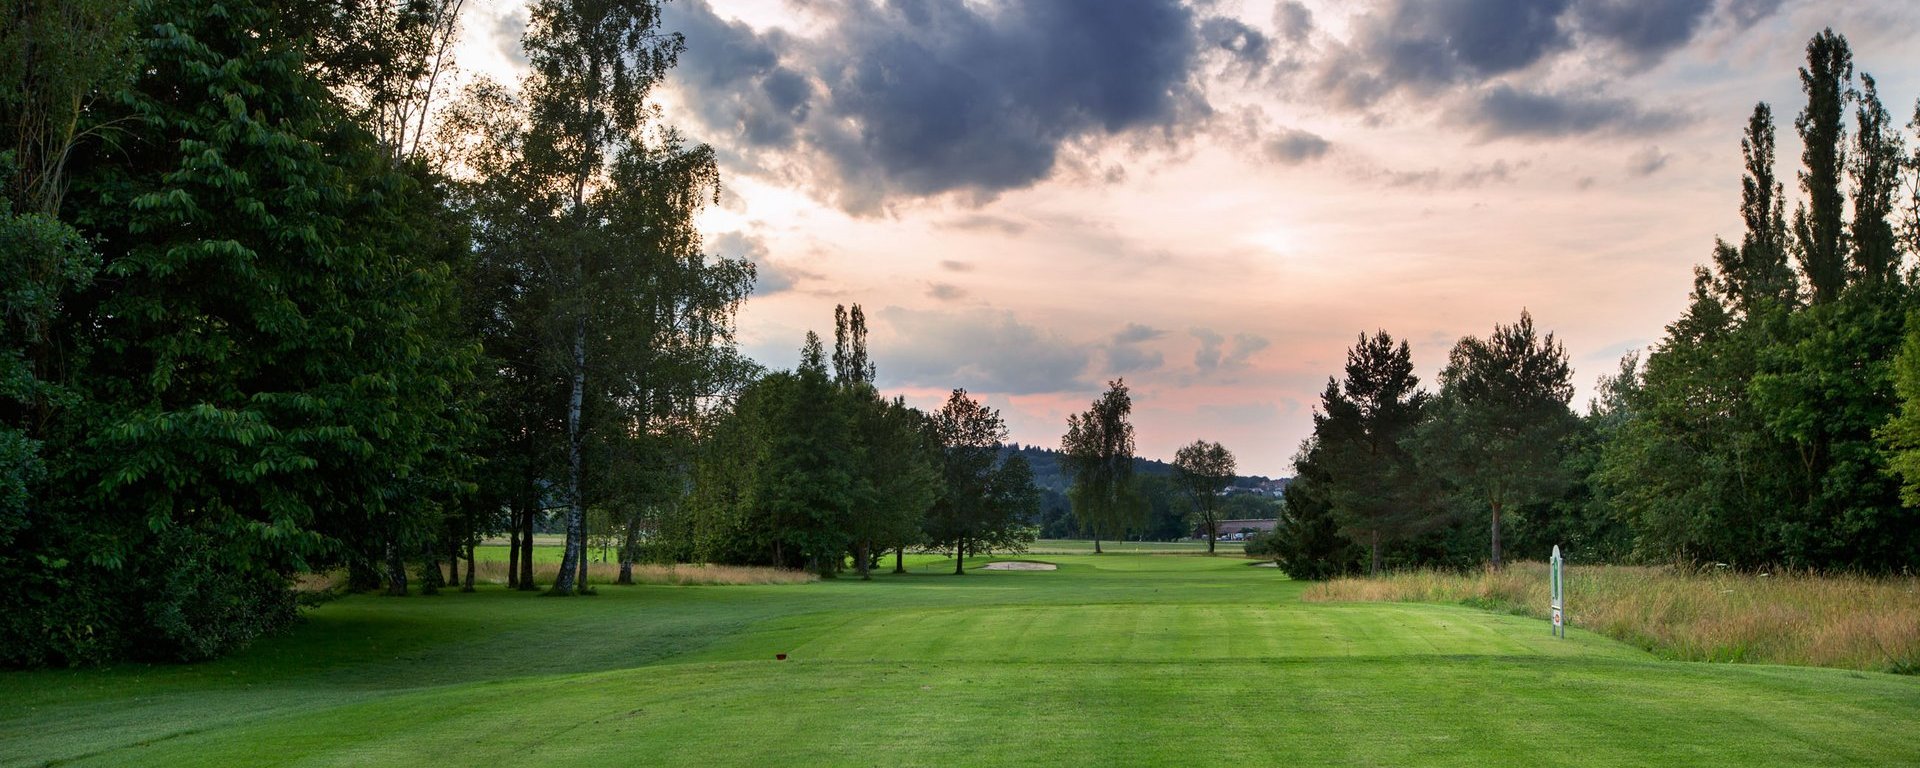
<point x="200" y="608"/>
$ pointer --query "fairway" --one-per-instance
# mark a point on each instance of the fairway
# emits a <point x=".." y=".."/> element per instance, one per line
<point x="1115" y="659"/>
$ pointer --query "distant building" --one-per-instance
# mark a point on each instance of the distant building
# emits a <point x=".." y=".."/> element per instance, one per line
<point x="1230" y="529"/>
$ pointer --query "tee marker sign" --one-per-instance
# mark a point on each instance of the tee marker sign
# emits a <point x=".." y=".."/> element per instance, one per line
<point x="1559" y="594"/>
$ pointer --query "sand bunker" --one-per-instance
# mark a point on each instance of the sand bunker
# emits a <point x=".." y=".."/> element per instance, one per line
<point x="1018" y="565"/>
<point x="1267" y="564"/>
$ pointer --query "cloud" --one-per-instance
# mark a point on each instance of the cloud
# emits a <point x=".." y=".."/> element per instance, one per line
<point x="981" y="350"/>
<point x="1293" y="146"/>
<point x="1247" y="48"/>
<point x="1207" y="357"/>
<point x="1425" y="49"/>
<point x="1135" y="333"/>
<point x="1647" y="162"/>
<point x="1126" y="355"/>
<point x="1645" y="29"/>
<point x="936" y="96"/>
<point x="1424" y="44"/>
<point x="770" y="277"/>
<point x="981" y="222"/>
<point x="952" y="265"/>
<point x="1471" y="177"/>
<point x="1292" y="21"/>
<point x="1244" y="347"/>
<point x="1217" y="353"/>
<point x="946" y="291"/>
<point x="1503" y="111"/>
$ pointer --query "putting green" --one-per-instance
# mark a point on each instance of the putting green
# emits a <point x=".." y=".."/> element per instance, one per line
<point x="1116" y="659"/>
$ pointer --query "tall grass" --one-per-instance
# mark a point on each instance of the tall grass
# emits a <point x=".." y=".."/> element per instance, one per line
<point x="1850" y="622"/>
<point x="699" y="574"/>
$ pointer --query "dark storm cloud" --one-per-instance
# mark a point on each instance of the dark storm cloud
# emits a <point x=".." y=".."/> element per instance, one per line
<point x="744" y="91"/>
<point x="922" y="97"/>
<point x="1502" y="111"/>
<point x="984" y="351"/>
<point x="1427" y="48"/>
<point x="1646" y="29"/>
<point x="1437" y="42"/>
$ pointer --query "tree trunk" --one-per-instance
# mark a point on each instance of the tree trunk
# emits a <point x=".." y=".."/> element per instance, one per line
<point x="1213" y="532"/>
<point x="580" y="576"/>
<point x="396" y="571"/>
<point x="513" y="549"/>
<point x="959" y="557"/>
<point x="572" y="560"/>
<point x="1497" y="564"/>
<point x="626" y="551"/>
<point x="1373" y="565"/>
<point x="363" y="575"/>
<point x="430" y="574"/>
<point x="468" y="586"/>
<point x="453" y="559"/>
<point x="526" y="548"/>
<point x="899" y="559"/>
<point x="1096" y="539"/>
<point x="860" y="561"/>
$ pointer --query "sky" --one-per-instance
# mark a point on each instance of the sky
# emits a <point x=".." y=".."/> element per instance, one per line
<point x="1214" y="199"/>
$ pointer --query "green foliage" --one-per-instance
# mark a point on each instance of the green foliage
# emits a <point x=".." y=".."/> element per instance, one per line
<point x="985" y="501"/>
<point x="1361" y="435"/>
<point x="1307" y="542"/>
<point x="254" y="377"/>
<point x="1204" y="470"/>
<point x="1497" y="432"/>
<point x="1099" y="450"/>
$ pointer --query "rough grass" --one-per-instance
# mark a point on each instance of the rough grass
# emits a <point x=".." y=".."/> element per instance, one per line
<point x="696" y="575"/>
<point x="1848" y="622"/>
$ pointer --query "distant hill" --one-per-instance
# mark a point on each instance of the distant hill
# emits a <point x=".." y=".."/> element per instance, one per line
<point x="1049" y="474"/>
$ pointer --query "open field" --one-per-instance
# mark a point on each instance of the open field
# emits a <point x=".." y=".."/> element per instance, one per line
<point x="1851" y="622"/>
<point x="1085" y="547"/>
<point x="1111" y="660"/>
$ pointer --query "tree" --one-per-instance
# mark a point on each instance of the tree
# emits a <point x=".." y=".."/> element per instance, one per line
<point x="1496" y="431"/>
<point x="900" y="476"/>
<point x="1360" y="433"/>
<point x="1817" y="225"/>
<point x="1306" y="540"/>
<point x="809" y="486"/>
<point x="1099" y="454"/>
<point x="587" y="217"/>
<point x="1204" y="471"/>
<point x="259" y="383"/>
<point x="973" y="508"/>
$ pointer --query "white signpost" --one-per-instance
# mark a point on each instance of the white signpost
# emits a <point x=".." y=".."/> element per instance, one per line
<point x="1559" y="595"/>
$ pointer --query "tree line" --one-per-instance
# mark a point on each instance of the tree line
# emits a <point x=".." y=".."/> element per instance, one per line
<point x="280" y="301"/>
<point x="1776" y="423"/>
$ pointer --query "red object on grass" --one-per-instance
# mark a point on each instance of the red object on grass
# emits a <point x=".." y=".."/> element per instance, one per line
<point x="780" y="657"/>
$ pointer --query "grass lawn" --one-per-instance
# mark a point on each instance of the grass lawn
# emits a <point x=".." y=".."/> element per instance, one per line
<point x="1118" y="659"/>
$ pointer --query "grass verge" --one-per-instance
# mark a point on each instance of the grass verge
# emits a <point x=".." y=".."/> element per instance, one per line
<point x="1847" y="622"/>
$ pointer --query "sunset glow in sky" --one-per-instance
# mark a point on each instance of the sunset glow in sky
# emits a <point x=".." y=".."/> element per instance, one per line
<point x="1213" y="199"/>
